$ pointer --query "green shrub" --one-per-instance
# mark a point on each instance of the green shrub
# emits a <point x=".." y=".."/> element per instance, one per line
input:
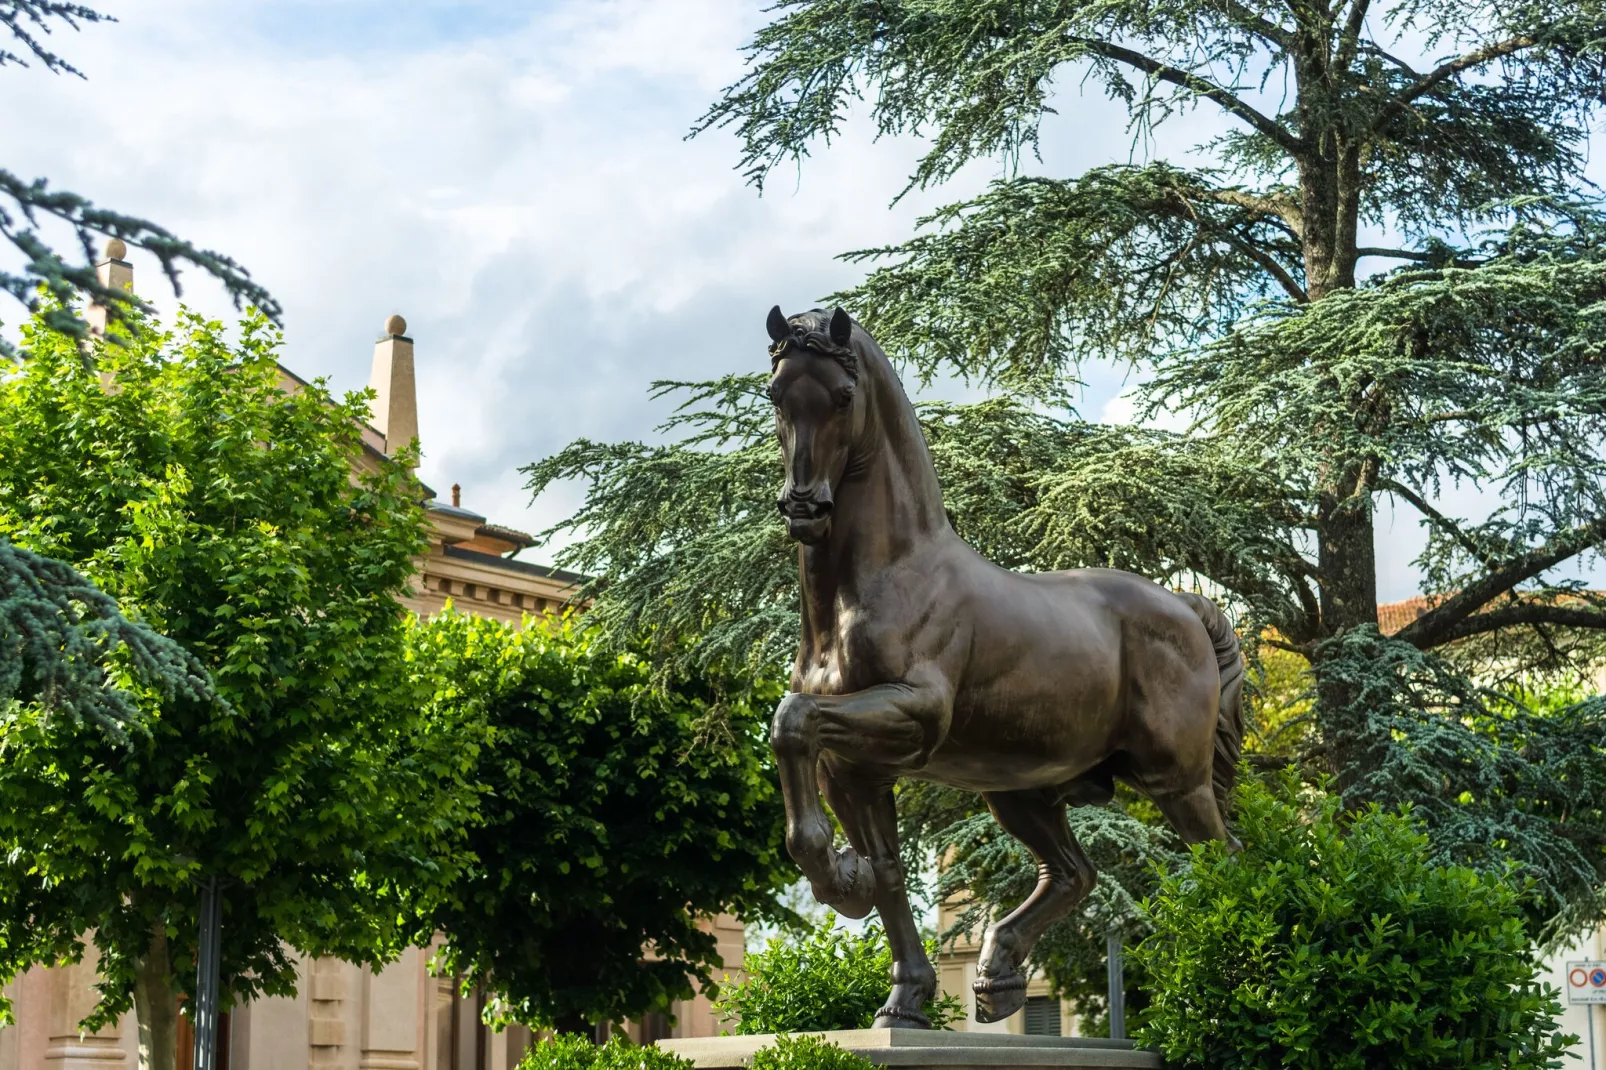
<point x="826" y="979"/>
<point x="1331" y="943"/>
<point x="807" y="1053"/>
<point x="572" y="1052"/>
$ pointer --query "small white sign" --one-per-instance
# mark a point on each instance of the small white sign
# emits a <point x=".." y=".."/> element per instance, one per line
<point x="1586" y="982"/>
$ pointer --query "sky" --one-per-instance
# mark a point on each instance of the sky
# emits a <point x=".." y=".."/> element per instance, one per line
<point x="515" y="180"/>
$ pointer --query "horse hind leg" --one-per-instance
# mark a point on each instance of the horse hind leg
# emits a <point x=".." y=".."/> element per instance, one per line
<point x="1195" y="814"/>
<point x="1064" y="878"/>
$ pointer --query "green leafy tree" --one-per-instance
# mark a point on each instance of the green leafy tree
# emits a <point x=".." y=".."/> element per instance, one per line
<point x="57" y="630"/>
<point x="1333" y="941"/>
<point x="240" y="517"/>
<point x="613" y="818"/>
<point x="820" y="979"/>
<point x="1324" y="371"/>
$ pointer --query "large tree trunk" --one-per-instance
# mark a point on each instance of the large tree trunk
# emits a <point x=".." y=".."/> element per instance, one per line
<point x="1330" y="190"/>
<point x="156" y="1005"/>
<point x="1347" y="560"/>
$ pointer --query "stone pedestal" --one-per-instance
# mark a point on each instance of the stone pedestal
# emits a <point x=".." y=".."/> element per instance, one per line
<point x="919" y="1049"/>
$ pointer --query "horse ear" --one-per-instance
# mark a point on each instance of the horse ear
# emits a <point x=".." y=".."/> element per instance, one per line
<point x="777" y="325"/>
<point x="841" y="327"/>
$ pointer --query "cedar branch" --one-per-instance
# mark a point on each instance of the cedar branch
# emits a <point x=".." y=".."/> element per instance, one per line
<point x="1534" y="613"/>
<point x="1202" y="86"/>
<point x="1431" y="629"/>
<point x="1449" y="69"/>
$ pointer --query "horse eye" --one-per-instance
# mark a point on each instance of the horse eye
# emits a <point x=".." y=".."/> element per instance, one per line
<point x="844" y="397"/>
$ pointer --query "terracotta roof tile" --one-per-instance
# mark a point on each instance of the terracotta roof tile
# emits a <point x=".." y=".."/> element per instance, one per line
<point x="1392" y="616"/>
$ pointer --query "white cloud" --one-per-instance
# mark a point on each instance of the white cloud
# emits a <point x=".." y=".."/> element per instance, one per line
<point x="515" y="182"/>
<point x="1123" y="409"/>
<point x="525" y="198"/>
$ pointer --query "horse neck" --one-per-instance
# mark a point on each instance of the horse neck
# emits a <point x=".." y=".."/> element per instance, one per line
<point x="888" y="506"/>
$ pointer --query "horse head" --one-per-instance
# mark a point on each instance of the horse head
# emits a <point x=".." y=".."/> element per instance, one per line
<point x="819" y="413"/>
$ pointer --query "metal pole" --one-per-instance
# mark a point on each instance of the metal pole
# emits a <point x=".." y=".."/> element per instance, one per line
<point x="1112" y="946"/>
<point x="206" y="976"/>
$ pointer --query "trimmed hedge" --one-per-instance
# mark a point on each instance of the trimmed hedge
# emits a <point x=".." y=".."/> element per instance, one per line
<point x="1331" y="943"/>
<point x="570" y="1051"/>
<point x="827" y="979"/>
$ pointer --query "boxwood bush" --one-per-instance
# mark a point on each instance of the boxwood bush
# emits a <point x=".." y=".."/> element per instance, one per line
<point x="828" y="978"/>
<point x="572" y="1051"/>
<point x="807" y="1053"/>
<point x="1331" y="943"/>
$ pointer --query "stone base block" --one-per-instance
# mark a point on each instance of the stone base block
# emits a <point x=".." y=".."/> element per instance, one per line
<point x="920" y="1049"/>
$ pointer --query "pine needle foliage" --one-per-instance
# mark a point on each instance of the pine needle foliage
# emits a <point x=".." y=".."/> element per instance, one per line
<point x="66" y="646"/>
<point x="989" y="871"/>
<point x="48" y="282"/>
<point x="1499" y="781"/>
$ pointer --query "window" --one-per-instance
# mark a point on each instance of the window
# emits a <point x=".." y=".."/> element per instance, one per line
<point x="1043" y="1016"/>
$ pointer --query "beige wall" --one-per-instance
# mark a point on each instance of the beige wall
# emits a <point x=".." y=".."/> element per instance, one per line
<point x="49" y="1004"/>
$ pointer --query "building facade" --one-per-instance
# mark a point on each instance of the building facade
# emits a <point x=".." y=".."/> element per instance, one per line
<point x="345" y="1016"/>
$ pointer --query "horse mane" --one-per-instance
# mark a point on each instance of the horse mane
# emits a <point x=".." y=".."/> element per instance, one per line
<point x="810" y="334"/>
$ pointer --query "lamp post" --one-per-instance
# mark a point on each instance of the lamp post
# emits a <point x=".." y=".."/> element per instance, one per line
<point x="1112" y="946"/>
<point x="206" y="976"/>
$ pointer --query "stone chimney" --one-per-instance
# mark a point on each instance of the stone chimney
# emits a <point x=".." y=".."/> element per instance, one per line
<point x="115" y="274"/>
<point x="395" y="410"/>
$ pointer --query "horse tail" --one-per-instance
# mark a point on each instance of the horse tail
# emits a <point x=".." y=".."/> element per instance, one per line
<point x="1230" y="712"/>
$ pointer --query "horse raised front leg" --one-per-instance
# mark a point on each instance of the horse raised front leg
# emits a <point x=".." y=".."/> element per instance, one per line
<point x="843" y="880"/>
<point x="890" y="727"/>
<point x="1064" y="878"/>
<point x="863" y="803"/>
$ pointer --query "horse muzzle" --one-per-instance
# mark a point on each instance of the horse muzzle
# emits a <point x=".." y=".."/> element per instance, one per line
<point x="808" y="516"/>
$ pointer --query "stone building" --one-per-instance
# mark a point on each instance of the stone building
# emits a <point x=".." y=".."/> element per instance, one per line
<point x="345" y="1016"/>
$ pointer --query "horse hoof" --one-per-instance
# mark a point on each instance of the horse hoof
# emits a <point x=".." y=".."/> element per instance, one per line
<point x="999" y="997"/>
<point x="856" y="882"/>
<point x="891" y="1017"/>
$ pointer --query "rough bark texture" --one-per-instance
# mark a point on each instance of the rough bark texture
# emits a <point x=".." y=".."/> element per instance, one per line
<point x="1330" y="191"/>
<point x="156" y="1006"/>
<point x="1348" y="563"/>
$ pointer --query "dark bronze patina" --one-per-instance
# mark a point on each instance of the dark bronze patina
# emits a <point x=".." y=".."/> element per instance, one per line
<point x="919" y="658"/>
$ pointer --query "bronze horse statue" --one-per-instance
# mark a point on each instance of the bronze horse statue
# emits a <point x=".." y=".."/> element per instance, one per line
<point x="920" y="658"/>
